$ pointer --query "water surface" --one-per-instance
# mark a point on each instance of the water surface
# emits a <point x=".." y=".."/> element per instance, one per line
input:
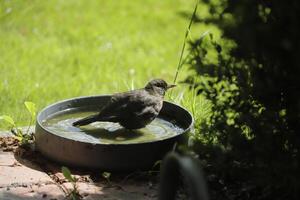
<point x="107" y="132"/>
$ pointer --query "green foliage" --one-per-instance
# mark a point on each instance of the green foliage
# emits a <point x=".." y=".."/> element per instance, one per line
<point x="67" y="174"/>
<point x="31" y="108"/>
<point x="156" y="164"/>
<point x="74" y="193"/>
<point x="26" y="137"/>
<point x="8" y="120"/>
<point x="250" y="75"/>
<point x="106" y="175"/>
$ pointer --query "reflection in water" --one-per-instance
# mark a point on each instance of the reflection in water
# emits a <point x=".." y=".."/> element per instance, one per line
<point x="107" y="132"/>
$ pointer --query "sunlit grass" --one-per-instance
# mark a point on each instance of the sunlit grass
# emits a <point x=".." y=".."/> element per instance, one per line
<point x="53" y="50"/>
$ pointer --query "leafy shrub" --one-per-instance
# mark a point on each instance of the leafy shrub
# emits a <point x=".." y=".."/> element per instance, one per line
<point x="252" y="84"/>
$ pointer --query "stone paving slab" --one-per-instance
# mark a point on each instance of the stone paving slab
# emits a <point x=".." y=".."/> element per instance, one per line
<point x="32" y="192"/>
<point x="22" y="177"/>
<point x="12" y="172"/>
<point x="19" y="181"/>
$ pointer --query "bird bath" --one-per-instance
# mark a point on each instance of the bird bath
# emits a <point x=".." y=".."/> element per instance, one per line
<point x="107" y="145"/>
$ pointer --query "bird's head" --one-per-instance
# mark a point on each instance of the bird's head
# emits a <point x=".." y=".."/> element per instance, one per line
<point x="158" y="86"/>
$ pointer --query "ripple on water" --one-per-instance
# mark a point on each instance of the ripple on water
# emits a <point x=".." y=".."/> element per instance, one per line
<point x="107" y="132"/>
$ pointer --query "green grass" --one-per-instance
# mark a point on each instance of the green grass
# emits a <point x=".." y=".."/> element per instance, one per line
<point x="53" y="50"/>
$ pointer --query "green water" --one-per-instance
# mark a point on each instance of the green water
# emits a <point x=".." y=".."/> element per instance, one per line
<point x="107" y="132"/>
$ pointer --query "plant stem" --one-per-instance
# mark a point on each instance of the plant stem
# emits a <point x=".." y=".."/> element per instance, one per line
<point x="30" y="123"/>
<point x="184" y="42"/>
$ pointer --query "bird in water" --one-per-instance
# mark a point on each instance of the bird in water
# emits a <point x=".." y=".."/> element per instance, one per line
<point x="133" y="109"/>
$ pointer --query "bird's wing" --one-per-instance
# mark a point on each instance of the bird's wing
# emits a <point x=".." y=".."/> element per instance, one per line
<point x="122" y="104"/>
<point x="115" y="103"/>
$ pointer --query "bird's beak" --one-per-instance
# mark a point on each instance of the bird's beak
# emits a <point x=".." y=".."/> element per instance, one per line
<point x="171" y="86"/>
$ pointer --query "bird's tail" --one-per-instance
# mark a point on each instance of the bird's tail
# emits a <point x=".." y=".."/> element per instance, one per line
<point x="86" y="120"/>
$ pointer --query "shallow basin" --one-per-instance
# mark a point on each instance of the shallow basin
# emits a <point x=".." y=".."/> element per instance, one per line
<point x="106" y="145"/>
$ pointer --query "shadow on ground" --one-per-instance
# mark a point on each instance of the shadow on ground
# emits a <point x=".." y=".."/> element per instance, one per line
<point x="91" y="183"/>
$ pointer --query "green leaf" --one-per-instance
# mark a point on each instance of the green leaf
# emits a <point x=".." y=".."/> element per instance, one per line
<point x="106" y="175"/>
<point x="67" y="174"/>
<point x="8" y="119"/>
<point x="156" y="164"/>
<point x="19" y="133"/>
<point x="31" y="108"/>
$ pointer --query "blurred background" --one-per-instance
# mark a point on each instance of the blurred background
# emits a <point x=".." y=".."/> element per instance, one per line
<point x="53" y="50"/>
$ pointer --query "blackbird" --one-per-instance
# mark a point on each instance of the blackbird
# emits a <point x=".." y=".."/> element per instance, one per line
<point x="133" y="109"/>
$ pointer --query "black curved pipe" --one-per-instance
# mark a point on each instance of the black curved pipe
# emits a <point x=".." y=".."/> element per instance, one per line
<point x="175" y="166"/>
